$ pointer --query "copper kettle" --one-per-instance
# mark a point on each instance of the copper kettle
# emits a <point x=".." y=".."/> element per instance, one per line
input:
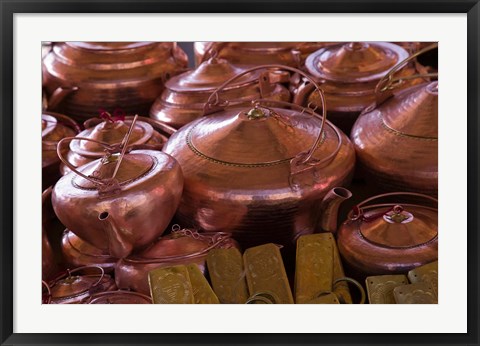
<point x="396" y="139"/>
<point x="147" y="132"/>
<point x="389" y="238"/>
<point x="55" y="126"/>
<point x="90" y="75"/>
<point x="259" y="172"/>
<point x="184" y="96"/>
<point x="348" y="74"/>
<point x="181" y="246"/>
<point x="121" y="202"/>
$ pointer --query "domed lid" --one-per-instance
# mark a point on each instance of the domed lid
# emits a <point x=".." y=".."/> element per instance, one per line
<point x="252" y="137"/>
<point x="399" y="226"/>
<point x="413" y="112"/>
<point x="84" y="247"/>
<point x="74" y="285"/>
<point x="119" y="297"/>
<point x="54" y="130"/>
<point x="132" y="167"/>
<point x="110" y="132"/>
<point x="208" y="76"/>
<point x="355" y="62"/>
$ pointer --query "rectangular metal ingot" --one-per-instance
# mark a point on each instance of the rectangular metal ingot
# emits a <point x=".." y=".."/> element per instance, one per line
<point x="341" y="289"/>
<point x="202" y="291"/>
<point x="327" y="298"/>
<point x="266" y="274"/>
<point x="380" y="288"/>
<point x="225" y="268"/>
<point x="170" y="285"/>
<point x="419" y="293"/>
<point x="427" y="273"/>
<point x="314" y="267"/>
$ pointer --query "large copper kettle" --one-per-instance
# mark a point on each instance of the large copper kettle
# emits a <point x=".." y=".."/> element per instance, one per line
<point x="182" y="246"/>
<point x="259" y="172"/>
<point x="184" y="96"/>
<point x="348" y="74"/>
<point x="121" y="202"/>
<point x="257" y="53"/>
<point x="93" y="75"/>
<point x="55" y="126"/>
<point x="396" y="139"/>
<point x="147" y="132"/>
<point x="389" y="238"/>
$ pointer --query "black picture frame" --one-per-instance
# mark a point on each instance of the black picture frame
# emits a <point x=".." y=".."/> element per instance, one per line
<point x="10" y="7"/>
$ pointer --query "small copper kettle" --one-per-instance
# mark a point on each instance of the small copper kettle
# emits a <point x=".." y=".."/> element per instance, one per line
<point x="55" y="126"/>
<point x="122" y="201"/>
<point x="396" y="138"/>
<point x="90" y="75"/>
<point x="181" y="246"/>
<point x="348" y="74"/>
<point x="147" y="132"/>
<point x="184" y="96"/>
<point x="389" y="238"/>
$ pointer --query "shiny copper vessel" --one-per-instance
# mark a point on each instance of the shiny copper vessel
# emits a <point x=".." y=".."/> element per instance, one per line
<point x="183" y="99"/>
<point x="348" y="74"/>
<point x="55" y="126"/>
<point x="118" y="297"/>
<point x="50" y="266"/>
<point x="182" y="246"/>
<point x="79" y="253"/>
<point x="396" y="139"/>
<point x="74" y="289"/>
<point x="389" y="238"/>
<point x="147" y="132"/>
<point x="122" y="201"/>
<point x="257" y="53"/>
<point x="93" y="75"/>
<point x="259" y="172"/>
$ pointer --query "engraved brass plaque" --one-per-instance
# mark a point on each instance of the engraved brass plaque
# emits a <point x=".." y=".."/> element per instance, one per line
<point x="341" y="289"/>
<point x="202" y="292"/>
<point x="265" y="273"/>
<point x="427" y="273"/>
<point x="314" y="266"/>
<point x="380" y="288"/>
<point x="327" y="298"/>
<point x="225" y="268"/>
<point x="170" y="285"/>
<point x="419" y="293"/>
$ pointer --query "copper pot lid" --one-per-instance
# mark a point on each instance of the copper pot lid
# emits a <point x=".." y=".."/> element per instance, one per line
<point x="257" y="136"/>
<point x="355" y="62"/>
<point x="208" y="76"/>
<point x="399" y="226"/>
<point x="413" y="112"/>
<point x="53" y="130"/>
<point x="110" y="132"/>
<point x="119" y="297"/>
<point x="108" y="46"/>
<point x="69" y="286"/>
<point x="133" y="166"/>
<point x="84" y="247"/>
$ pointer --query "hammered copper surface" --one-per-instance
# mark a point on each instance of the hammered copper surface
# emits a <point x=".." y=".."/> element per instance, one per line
<point x="118" y="297"/>
<point x="170" y="285"/>
<point x="185" y="95"/>
<point x="179" y="247"/>
<point x="419" y="293"/>
<point x="397" y="143"/>
<point x="109" y="75"/>
<point x="380" y="288"/>
<point x="389" y="238"/>
<point x="202" y="291"/>
<point x="49" y="265"/>
<point x="225" y="269"/>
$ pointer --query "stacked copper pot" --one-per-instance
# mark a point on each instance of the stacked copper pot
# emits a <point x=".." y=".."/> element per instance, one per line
<point x="255" y="145"/>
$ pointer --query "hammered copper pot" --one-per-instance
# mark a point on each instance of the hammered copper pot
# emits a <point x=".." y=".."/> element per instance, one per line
<point x="122" y="201"/>
<point x="55" y="126"/>
<point x="147" y="132"/>
<point x="50" y="265"/>
<point x="182" y="246"/>
<point x="396" y="140"/>
<point x="389" y="238"/>
<point x="183" y="99"/>
<point x="74" y="289"/>
<point x="259" y="173"/>
<point x="118" y="297"/>
<point x="348" y="74"/>
<point x="94" y="75"/>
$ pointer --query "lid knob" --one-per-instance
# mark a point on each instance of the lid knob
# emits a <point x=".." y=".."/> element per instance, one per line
<point x="398" y="215"/>
<point x="357" y="45"/>
<point x="256" y="113"/>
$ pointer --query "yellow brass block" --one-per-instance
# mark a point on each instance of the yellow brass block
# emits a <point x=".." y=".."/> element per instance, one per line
<point x="380" y="288"/>
<point x="427" y="273"/>
<point x="202" y="292"/>
<point x="328" y="298"/>
<point x="420" y="293"/>
<point x="170" y="285"/>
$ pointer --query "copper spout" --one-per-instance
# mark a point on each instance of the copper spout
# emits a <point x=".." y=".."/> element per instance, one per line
<point x="329" y="208"/>
<point x="117" y="245"/>
<point x="59" y="95"/>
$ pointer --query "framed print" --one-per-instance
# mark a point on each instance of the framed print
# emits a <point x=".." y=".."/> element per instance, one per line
<point x="264" y="162"/>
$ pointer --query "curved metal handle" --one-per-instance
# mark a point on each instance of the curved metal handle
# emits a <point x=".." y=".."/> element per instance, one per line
<point x="214" y="96"/>
<point x="212" y="50"/>
<point x="356" y="212"/>
<point x="356" y="283"/>
<point x="266" y="297"/>
<point x="49" y="291"/>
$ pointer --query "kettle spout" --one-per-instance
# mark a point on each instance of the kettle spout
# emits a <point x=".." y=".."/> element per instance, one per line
<point x="329" y="208"/>
<point x="118" y="246"/>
